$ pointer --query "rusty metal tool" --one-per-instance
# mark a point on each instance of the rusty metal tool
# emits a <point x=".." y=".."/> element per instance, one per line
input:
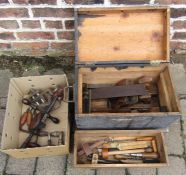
<point x="28" y="102"/>
<point x="118" y="91"/>
<point x="58" y="94"/>
<point x="60" y="136"/>
<point x="152" y="155"/>
<point x="88" y="148"/>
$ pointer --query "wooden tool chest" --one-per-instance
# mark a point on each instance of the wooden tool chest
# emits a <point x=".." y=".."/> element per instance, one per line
<point x="119" y="45"/>
<point x="112" y="158"/>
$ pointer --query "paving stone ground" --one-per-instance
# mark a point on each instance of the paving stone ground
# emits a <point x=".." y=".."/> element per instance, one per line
<point x="175" y="141"/>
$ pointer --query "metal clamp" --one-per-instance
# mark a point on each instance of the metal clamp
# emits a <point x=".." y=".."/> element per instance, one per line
<point x="66" y="94"/>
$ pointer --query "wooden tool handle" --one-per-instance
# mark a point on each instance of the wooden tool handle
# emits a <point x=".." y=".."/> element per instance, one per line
<point x="134" y="143"/>
<point x="122" y="138"/>
<point x="132" y="147"/>
<point x="150" y="155"/>
<point x="144" y="139"/>
<point x="154" y="146"/>
<point x="122" y="156"/>
<point x="131" y="161"/>
<point x="126" y="152"/>
<point x="106" y="153"/>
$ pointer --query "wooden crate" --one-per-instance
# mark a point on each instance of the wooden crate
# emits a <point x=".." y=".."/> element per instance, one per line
<point x="91" y="135"/>
<point x="12" y="137"/>
<point x="117" y="43"/>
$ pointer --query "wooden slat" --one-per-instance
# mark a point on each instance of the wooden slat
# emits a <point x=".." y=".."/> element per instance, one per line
<point x="107" y="70"/>
<point x="112" y="75"/>
<point x="80" y="90"/>
<point x="125" y="121"/>
<point x="171" y="90"/>
<point x="167" y="34"/>
<point x="164" y="95"/>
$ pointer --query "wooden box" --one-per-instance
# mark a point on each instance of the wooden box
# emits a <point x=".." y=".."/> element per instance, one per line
<point x="124" y="43"/>
<point x="92" y="135"/>
<point x="12" y="137"/>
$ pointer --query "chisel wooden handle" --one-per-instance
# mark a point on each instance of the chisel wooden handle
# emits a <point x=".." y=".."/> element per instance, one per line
<point x="131" y="161"/>
<point x="134" y="145"/>
<point x="122" y="138"/>
<point x="106" y="153"/>
<point x="154" y="146"/>
<point x="150" y="155"/>
<point x="144" y="139"/>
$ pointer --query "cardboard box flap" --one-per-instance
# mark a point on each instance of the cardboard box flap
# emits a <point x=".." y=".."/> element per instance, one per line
<point x="122" y="34"/>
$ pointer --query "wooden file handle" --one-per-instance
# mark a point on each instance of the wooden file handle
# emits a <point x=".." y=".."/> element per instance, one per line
<point x="106" y="153"/>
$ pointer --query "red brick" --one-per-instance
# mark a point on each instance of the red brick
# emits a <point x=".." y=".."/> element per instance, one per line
<point x="13" y="12"/>
<point x="133" y="2"/>
<point x="5" y="45"/>
<point x="3" y="1"/>
<point x="50" y="2"/>
<point x="31" y="24"/>
<point x="175" y="45"/>
<point x="178" y="12"/>
<point x="53" y="24"/>
<point x="30" y="45"/>
<point x="35" y="35"/>
<point x="179" y="35"/>
<point x="167" y="2"/>
<point x="35" y="2"/>
<point x="31" y="49"/>
<point x="66" y="48"/>
<point x="8" y="24"/>
<point x="69" y="24"/>
<point x="52" y="12"/>
<point x="7" y="36"/>
<point x="66" y="35"/>
<point x="20" y="1"/>
<point x="178" y="47"/>
<point x="179" y="24"/>
<point x="84" y="2"/>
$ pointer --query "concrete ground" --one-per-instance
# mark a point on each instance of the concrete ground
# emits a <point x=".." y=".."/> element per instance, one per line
<point x="63" y="165"/>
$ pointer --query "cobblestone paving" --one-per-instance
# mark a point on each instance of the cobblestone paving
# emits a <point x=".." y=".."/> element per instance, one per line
<point x="63" y="165"/>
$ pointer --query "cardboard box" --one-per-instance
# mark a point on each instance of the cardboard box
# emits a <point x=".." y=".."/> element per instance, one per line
<point x="92" y="135"/>
<point x="12" y="137"/>
<point x="124" y="43"/>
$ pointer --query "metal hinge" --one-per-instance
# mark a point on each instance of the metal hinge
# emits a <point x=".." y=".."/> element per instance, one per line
<point x="155" y="62"/>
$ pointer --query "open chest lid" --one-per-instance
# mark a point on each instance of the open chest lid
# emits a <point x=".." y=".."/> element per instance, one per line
<point x="122" y="35"/>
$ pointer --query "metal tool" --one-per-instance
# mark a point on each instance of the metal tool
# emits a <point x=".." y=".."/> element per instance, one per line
<point x="118" y="91"/>
<point x="58" y="94"/>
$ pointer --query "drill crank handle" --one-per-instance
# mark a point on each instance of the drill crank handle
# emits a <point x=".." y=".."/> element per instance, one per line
<point x="53" y="119"/>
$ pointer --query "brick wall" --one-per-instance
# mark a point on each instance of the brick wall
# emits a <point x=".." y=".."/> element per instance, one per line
<point x="46" y="27"/>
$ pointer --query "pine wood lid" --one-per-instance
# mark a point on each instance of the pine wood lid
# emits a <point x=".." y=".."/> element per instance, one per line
<point x="122" y="34"/>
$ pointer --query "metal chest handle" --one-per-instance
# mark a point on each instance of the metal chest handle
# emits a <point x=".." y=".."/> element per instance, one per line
<point x="66" y="94"/>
